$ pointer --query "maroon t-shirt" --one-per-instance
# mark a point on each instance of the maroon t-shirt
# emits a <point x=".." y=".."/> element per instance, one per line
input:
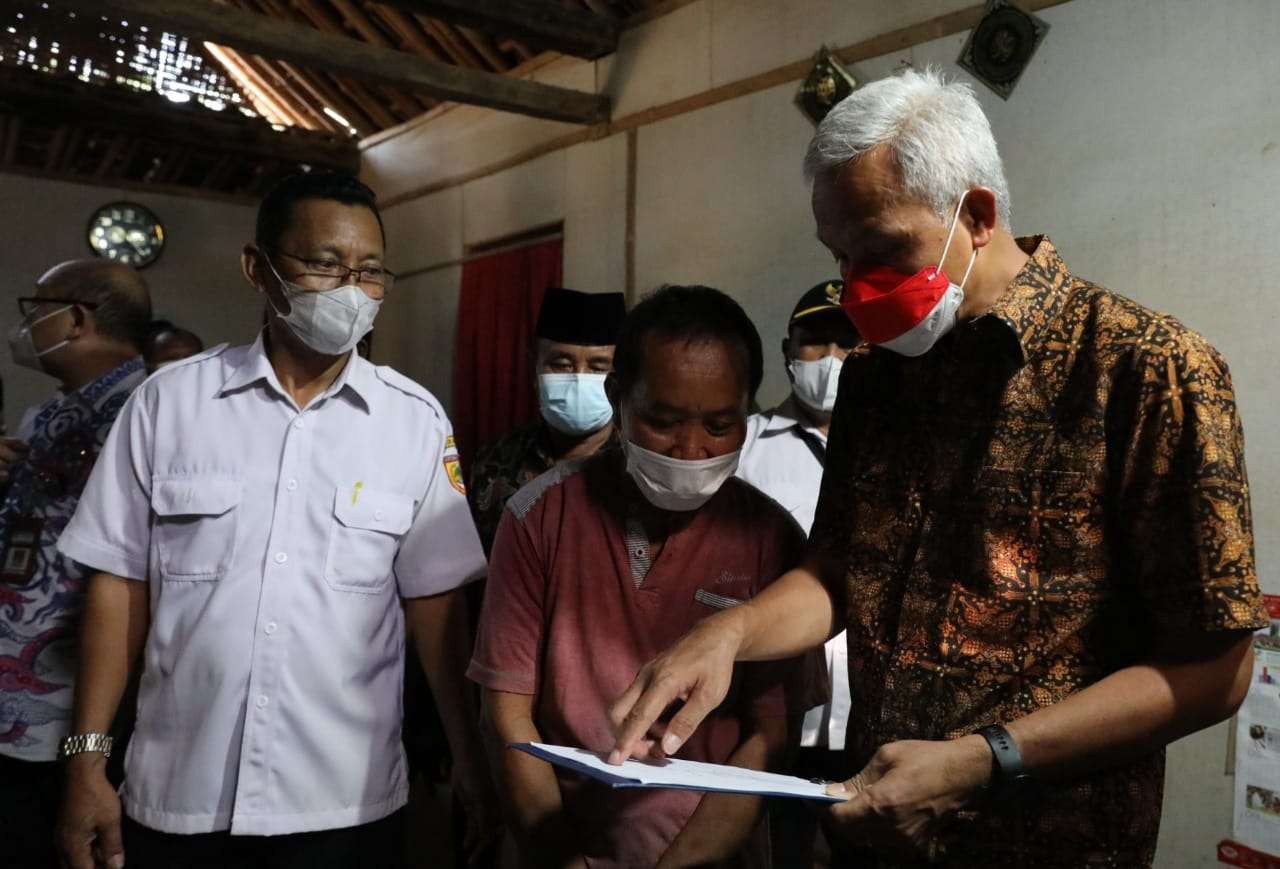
<point x="574" y="607"/>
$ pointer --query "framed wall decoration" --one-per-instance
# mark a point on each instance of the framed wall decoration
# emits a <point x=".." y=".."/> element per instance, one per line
<point x="1000" y="47"/>
<point x="825" y="85"/>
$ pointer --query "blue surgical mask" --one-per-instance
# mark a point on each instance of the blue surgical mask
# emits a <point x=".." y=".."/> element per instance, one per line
<point x="574" y="404"/>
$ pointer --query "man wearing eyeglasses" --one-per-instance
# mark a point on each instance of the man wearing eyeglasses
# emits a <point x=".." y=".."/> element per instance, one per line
<point x="82" y="327"/>
<point x="266" y="522"/>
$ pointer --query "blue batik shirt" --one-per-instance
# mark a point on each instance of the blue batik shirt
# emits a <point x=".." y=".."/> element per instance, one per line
<point x="41" y="591"/>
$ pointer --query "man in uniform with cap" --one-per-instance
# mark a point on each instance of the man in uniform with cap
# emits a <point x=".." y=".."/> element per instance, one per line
<point x="575" y="334"/>
<point x="784" y="456"/>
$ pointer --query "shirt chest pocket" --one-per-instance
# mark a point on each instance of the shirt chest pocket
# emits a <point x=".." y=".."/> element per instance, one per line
<point x="195" y="526"/>
<point x="367" y="527"/>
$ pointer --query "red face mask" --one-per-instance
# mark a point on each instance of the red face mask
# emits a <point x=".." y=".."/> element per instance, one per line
<point x="906" y="313"/>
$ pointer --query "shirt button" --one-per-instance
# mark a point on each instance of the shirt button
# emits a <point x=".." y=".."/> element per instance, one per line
<point x="378" y="515"/>
<point x="299" y="424"/>
<point x="269" y="628"/>
<point x="291" y="485"/>
<point x="281" y="558"/>
<point x="262" y="701"/>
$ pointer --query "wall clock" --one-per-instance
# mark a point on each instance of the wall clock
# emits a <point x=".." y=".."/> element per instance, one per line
<point x="127" y="233"/>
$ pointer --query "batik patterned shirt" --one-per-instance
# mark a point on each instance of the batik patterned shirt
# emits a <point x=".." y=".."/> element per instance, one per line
<point x="504" y="467"/>
<point x="1055" y="488"/>
<point x="41" y="591"/>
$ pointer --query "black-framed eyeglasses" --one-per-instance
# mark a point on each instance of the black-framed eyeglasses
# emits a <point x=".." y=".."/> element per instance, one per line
<point x="29" y="306"/>
<point x="327" y="274"/>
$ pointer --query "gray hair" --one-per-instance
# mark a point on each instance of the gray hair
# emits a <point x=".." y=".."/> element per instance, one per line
<point x="935" y="129"/>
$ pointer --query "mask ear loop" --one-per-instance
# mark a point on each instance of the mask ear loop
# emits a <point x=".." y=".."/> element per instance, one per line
<point x="951" y="233"/>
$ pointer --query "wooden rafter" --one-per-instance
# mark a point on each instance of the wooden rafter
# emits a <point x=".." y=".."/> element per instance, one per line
<point x="320" y="15"/>
<point x="48" y="101"/>
<point x="329" y="95"/>
<point x="451" y="42"/>
<point x="72" y="150"/>
<point x="53" y="154"/>
<point x="111" y="155"/>
<point x="327" y="90"/>
<point x="543" y="22"/>
<point x="259" y="34"/>
<point x="240" y="68"/>
<point x="12" y="138"/>
<point x="411" y="36"/>
<point x="282" y="85"/>
<point x="485" y="48"/>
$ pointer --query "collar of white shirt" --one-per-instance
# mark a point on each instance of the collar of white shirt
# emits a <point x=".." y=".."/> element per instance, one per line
<point x="356" y="380"/>
<point x="786" y="417"/>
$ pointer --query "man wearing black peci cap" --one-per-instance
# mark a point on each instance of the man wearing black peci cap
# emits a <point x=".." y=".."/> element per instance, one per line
<point x="575" y="338"/>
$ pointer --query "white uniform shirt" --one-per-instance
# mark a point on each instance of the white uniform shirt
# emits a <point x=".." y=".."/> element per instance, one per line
<point x="783" y="457"/>
<point x="277" y="544"/>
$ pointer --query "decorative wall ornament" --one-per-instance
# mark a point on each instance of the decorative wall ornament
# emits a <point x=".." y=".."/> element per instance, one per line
<point x="825" y="85"/>
<point x="1000" y="47"/>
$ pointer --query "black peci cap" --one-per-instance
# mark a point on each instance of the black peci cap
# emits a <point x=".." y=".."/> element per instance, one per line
<point x="587" y="319"/>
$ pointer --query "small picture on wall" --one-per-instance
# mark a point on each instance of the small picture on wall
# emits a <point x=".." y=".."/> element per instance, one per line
<point x="825" y="85"/>
<point x="1000" y="47"/>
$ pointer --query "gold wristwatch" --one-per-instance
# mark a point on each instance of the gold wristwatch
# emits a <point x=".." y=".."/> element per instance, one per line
<point x="82" y="742"/>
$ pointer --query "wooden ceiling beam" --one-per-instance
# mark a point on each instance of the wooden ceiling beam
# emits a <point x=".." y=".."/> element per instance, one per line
<point x="177" y="163"/>
<point x="543" y="22"/>
<point x="111" y="155"/>
<point x="53" y="154"/>
<point x="12" y="139"/>
<point x="320" y="15"/>
<point x="51" y="100"/>
<point x="216" y="176"/>
<point x="270" y="37"/>
<point x="324" y="88"/>
<point x="72" y="150"/>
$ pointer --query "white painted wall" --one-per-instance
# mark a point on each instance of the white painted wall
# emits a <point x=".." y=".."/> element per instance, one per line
<point x="1144" y="140"/>
<point x="196" y="282"/>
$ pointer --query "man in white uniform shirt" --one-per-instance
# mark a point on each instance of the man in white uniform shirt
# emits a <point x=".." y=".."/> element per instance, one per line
<point x="264" y="521"/>
<point x="783" y="456"/>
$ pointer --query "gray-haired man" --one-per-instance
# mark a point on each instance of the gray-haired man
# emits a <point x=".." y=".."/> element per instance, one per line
<point x="1034" y="521"/>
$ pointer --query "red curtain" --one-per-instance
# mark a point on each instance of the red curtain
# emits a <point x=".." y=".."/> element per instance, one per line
<point x="497" y="311"/>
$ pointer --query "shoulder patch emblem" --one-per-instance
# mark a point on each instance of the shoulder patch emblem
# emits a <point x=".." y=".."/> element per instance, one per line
<point x="452" y="467"/>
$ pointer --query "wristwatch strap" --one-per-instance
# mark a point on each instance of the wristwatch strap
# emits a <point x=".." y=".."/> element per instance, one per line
<point x="82" y="742"/>
<point x="1006" y="760"/>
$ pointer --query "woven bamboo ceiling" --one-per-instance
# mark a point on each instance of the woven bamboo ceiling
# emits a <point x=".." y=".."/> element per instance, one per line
<point x="224" y="96"/>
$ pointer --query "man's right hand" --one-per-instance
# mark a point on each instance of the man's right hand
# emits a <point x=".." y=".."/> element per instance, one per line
<point x="11" y="452"/>
<point x="89" y="822"/>
<point x="696" y="670"/>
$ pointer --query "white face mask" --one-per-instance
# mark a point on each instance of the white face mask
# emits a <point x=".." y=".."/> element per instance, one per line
<point x="23" y="346"/>
<point x="330" y="322"/>
<point x="816" y="383"/>
<point x="574" y="404"/>
<point x="678" y="484"/>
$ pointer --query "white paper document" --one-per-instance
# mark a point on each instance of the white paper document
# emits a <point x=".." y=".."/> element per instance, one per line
<point x="680" y="774"/>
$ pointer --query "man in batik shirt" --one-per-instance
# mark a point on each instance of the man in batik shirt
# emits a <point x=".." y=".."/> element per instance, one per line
<point x="1034" y="522"/>
<point x="83" y="327"/>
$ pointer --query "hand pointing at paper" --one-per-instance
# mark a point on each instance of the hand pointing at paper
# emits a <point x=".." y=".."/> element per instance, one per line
<point x="792" y="615"/>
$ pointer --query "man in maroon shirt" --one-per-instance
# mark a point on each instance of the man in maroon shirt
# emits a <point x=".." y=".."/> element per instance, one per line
<point x="602" y="562"/>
